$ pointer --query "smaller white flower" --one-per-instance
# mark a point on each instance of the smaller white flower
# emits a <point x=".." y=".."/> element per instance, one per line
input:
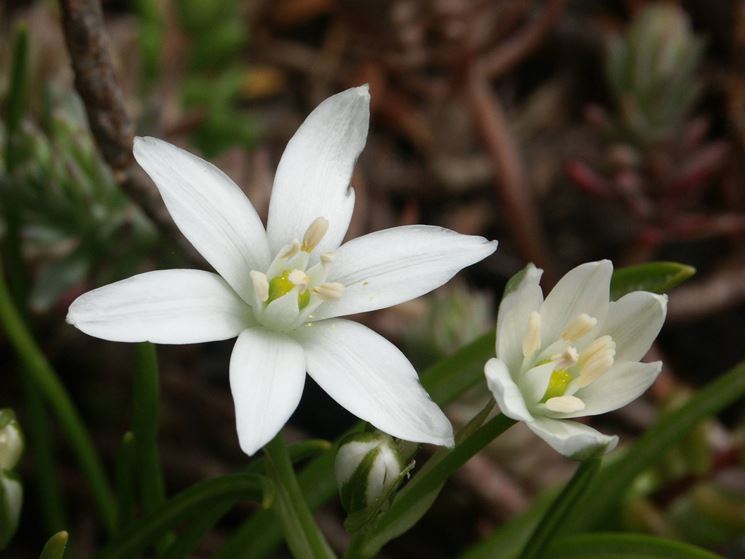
<point x="575" y="354"/>
<point x="11" y="440"/>
<point x="11" y="500"/>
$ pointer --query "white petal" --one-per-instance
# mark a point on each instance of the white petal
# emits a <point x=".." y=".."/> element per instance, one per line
<point x="394" y="265"/>
<point x="267" y="375"/>
<point x="209" y="209"/>
<point x="584" y="289"/>
<point x="371" y="378"/>
<point x="507" y="394"/>
<point x="522" y="296"/>
<point x="534" y="382"/>
<point x="572" y="439"/>
<point x="165" y="307"/>
<point x="313" y="176"/>
<point x="634" y="322"/>
<point x="621" y="384"/>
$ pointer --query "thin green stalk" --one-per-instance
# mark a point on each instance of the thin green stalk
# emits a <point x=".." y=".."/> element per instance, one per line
<point x="303" y="537"/>
<point x="551" y="523"/>
<point x="183" y="506"/>
<point x="48" y="383"/>
<point x="125" y="482"/>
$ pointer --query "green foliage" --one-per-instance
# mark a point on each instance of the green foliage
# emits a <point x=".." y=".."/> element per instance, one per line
<point x="55" y="547"/>
<point x="623" y="546"/>
<point x="657" y="277"/>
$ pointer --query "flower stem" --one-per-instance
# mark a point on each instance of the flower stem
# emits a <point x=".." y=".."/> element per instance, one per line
<point x="303" y="537"/>
<point x="46" y="380"/>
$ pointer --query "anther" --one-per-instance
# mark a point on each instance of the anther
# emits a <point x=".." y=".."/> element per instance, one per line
<point x="291" y="250"/>
<point x="596" y="360"/>
<point x="329" y="291"/>
<point x="565" y="404"/>
<point x="261" y="285"/>
<point x="578" y="327"/>
<point x="327" y="258"/>
<point x="567" y="359"/>
<point x="532" y="339"/>
<point x="314" y="234"/>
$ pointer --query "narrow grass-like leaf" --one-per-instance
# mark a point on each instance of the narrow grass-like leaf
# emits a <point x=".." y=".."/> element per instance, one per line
<point x="623" y="546"/>
<point x="55" y="546"/>
<point x="551" y="523"/>
<point x="186" y="505"/>
<point x="657" y="277"/>
<point x="190" y="537"/>
<point x="611" y="483"/>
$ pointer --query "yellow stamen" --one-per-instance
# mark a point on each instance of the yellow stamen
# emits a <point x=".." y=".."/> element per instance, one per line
<point x="532" y="339"/>
<point x="565" y="404"/>
<point x="261" y="285"/>
<point x="314" y="233"/>
<point x="329" y="291"/>
<point x="578" y="327"/>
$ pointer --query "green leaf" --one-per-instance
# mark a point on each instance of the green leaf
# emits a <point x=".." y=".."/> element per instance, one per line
<point x="55" y="546"/>
<point x="657" y="277"/>
<point x="551" y="523"/>
<point x="190" y="537"/>
<point x="623" y="546"/>
<point x="303" y="537"/>
<point x="610" y="485"/>
<point x="188" y="504"/>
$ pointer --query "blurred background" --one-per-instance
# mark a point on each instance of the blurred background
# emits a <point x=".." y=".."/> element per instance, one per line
<point x="569" y="130"/>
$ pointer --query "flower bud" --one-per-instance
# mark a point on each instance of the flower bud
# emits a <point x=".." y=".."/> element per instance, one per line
<point x="368" y="468"/>
<point x="11" y="440"/>
<point x="11" y="498"/>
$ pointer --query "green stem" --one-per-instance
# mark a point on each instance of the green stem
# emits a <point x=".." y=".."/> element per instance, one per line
<point x="125" y="482"/>
<point x="303" y="537"/>
<point x="552" y="522"/>
<point x="52" y="389"/>
<point x="186" y="504"/>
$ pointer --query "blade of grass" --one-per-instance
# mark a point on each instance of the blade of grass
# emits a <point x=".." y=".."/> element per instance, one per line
<point x="125" y="482"/>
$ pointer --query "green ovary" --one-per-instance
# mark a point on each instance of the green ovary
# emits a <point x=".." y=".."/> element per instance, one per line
<point x="557" y="384"/>
<point x="281" y="285"/>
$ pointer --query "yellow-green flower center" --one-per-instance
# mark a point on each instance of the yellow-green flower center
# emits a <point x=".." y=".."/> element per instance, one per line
<point x="557" y="384"/>
<point x="282" y="285"/>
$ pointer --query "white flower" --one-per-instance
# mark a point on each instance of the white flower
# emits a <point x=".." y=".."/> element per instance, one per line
<point x="11" y="440"/>
<point x="572" y="355"/>
<point x="281" y="291"/>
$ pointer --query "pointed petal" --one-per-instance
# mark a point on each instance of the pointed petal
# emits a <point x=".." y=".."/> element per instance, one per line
<point x="394" y="265"/>
<point x="165" y="307"/>
<point x="621" y="384"/>
<point x="572" y="439"/>
<point x="371" y="378"/>
<point x="522" y="295"/>
<point x="314" y="174"/>
<point x="584" y="289"/>
<point x="267" y="375"/>
<point x="506" y="392"/>
<point x="634" y="322"/>
<point x="209" y="209"/>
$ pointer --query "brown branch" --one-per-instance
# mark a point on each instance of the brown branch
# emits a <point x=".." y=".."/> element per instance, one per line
<point x="511" y="182"/>
<point x="96" y="83"/>
<point x="512" y="51"/>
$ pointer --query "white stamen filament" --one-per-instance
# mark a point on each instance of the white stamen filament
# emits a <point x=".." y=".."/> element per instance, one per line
<point x="261" y="285"/>
<point x="567" y="359"/>
<point x="329" y="291"/>
<point x="315" y="233"/>
<point x="532" y="339"/>
<point x="565" y="404"/>
<point x="578" y="327"/>
<point x="299" y="278"/>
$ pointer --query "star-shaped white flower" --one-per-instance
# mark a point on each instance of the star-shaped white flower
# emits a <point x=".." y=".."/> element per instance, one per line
<point x="572" y="355"/>
<point x="281" y="291"/>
